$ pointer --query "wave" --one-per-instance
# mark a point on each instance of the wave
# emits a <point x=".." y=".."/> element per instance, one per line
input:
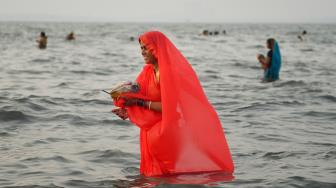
<point x="274" y="138"/>
<point x="291" y="83"/>
<point x="53" y="139"/>
<point x="330" y="155"/>
<point x="36" y="107"/>
<point x="282" y="155"/>
<point x="130" y="170"/>
<point x="5" y="134"/>
<point x="35" y="143"/>
<point x="14" y="116"/>
<point x="199" y="180"/>
<point x="115" y="156"/>
<point x="320" y="114"/>
<point x="116" y="122"/>
<point x="300" y="181"/>
<point x="71" y="118"/>
<point x="307" y="50"/>
<point x="258" y="46"/>
<point x="32" y="72"/>
<point x="268" y="105"/>
<point x="320" y="144"/>
<point x="329" y="98"/>
<point x="35" y="186"/>
<point x="40" y="60"/>
<point x="211" y="72"/>
<point x="83" y="72"/>
<point x="103" y="184"/>
<point x="56" y="158"/>
<point x="63" y="84"/>
<point x="29" y="103"/>
<point x="111" y="54"/>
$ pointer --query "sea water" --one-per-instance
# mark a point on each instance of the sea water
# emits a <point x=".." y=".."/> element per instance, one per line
<point x="56" y="128"/>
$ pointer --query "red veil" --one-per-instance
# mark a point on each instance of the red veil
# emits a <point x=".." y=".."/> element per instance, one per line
<point x="187" y="136"/>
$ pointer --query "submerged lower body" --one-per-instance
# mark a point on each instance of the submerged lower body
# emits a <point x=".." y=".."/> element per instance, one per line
<point x="162" y="156"/>
<point x="269" y="80"/>
<point x="270" y="76"/>
<point x="149" y="165"/>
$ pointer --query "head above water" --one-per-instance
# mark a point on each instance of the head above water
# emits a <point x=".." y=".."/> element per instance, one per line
<point x="270" y="43"/>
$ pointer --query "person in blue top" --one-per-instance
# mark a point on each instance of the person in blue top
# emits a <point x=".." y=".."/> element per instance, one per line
<point x="272" y="63"/>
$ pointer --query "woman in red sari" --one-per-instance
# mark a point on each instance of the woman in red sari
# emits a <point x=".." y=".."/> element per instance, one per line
<point x="180" y="131"/>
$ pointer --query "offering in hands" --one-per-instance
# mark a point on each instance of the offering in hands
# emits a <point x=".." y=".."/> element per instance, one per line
<point x="124" y="87"/>
<point x="261" y="58"/>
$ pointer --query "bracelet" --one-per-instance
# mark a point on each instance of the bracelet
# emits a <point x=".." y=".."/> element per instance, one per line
<point x="149" y="105"/>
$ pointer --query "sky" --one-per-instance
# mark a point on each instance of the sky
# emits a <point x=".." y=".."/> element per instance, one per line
<point x="222" y="11"/>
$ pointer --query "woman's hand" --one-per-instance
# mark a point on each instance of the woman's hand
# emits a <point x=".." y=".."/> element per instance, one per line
<point x="150" y="105"/>
<point x="135" y="102"/>
<point x="121" y="112"/>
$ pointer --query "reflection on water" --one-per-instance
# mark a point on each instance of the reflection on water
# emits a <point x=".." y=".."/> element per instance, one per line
<point x="183" y="180"/>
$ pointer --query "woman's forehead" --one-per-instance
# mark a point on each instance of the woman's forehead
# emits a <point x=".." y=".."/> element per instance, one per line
<point x="142" y="44"/>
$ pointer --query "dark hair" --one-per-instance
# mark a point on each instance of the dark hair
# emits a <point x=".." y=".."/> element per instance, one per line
<point x="271" y="42"/>
<point x="43" y="34"/>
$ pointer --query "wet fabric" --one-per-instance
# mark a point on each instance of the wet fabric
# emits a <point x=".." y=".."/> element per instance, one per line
<point x="273" y="72"/>
<point x="187" y="136"/>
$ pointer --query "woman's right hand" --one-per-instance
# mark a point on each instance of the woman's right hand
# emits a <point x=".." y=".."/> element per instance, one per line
<point x="121" y="112"/>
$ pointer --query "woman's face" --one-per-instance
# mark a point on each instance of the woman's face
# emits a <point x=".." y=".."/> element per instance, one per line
<point x="147" y="55"/>
<point x="268" y="45"/>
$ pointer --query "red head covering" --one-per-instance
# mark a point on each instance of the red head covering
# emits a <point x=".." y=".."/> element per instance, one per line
<point x="189" y="138"/>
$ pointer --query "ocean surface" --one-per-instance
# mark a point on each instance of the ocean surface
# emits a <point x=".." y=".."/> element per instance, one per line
<point x="56" y="128"/>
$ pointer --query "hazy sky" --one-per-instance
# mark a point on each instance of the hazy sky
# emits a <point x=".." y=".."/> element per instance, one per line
<point x="170" y="10"/>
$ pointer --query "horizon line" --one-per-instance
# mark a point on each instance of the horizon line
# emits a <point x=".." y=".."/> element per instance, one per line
<point x="167" y="22"/>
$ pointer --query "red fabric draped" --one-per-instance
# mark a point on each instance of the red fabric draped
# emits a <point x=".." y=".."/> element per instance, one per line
<point x="187" y="136"/>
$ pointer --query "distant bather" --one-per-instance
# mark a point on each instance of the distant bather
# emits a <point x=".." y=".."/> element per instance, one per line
<point x="71" y="36"/>
<point x="42" y="41"/>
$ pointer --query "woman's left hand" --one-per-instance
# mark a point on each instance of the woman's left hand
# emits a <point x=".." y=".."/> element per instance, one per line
<point x="134" y="102"/>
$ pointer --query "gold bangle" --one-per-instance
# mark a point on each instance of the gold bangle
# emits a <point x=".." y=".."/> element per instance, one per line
<point x="149" y="105"/>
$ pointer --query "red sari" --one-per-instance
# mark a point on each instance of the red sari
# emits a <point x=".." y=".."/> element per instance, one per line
<point x="187" y="136"/>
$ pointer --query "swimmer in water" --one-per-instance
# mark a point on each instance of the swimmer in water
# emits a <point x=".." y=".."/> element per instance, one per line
<point x="42" y="41"/>
<point x="304" y="32"/>
<point x="300" y="37"/>
<point x="205" y="32"/>
<point x="71" y="36"/>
